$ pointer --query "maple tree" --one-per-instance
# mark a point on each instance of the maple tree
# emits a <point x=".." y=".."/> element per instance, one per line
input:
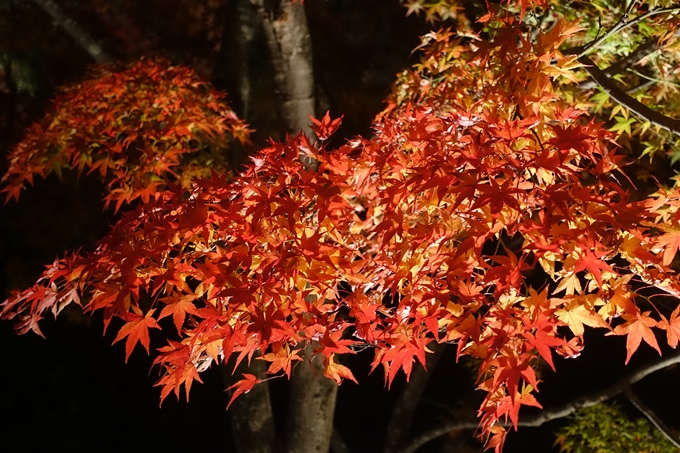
<point x="487" y="212"/>
<point x="149" y="123"/>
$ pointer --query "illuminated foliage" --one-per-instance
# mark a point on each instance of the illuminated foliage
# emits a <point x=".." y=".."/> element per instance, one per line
<point x="142" y="125"/>
<point x="606" y="428"/>
<point x="486" y="212"/>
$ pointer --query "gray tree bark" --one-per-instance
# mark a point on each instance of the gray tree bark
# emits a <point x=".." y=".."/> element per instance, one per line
<point x="284" y="25"/>
<point x="252" y="421"/>
<point x="240" y="32"/>
<point x="309" y="423"/>
<point x="311" y="408"/>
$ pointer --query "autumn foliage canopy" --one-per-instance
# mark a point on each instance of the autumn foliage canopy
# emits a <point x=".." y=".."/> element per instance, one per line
<point x="487" y="211"/>
<point x="143" y="125"/>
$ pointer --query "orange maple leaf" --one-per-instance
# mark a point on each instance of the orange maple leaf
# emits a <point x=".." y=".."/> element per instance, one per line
<point x="337" y="372"/>
<point x="282" y="359"/>
<point x="576" y="315"/>
<point x="178" y="307"/>
<point x="671" y="243"/>
<point x="243" y="386"/>
<point x="671" y="327"/>
<point x="137" y="330"/>
<point x="637" y="327"/>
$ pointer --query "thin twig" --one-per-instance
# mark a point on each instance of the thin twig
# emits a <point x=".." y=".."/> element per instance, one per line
<point x="651" y="416"/>
<point x="652" y="79"/>
<point x="647" y="48"/>
<point x="642" y="86"/>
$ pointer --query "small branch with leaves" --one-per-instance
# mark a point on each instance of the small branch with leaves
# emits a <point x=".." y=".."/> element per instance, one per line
<point x="647" y="48"/>
<point x="623" y="98"/>
<point x="547" y="415"/>
<point x="621" y="25"/>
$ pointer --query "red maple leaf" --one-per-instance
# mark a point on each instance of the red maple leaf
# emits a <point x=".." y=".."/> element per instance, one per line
<point x="637" y="327"/>
<point x="671" y="327"/>
<point x="137" y="329"/>
<point x="326" y="127"/>
<point x="591" y="260"/>
<point x="243" y="386"/>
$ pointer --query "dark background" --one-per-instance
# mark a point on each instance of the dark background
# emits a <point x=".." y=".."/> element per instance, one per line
<point x="73" y="391"/>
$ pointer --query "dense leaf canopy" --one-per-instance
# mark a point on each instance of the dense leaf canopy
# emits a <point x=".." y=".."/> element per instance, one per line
<point x="486" y="211"/>
<point x="146" y="123"/>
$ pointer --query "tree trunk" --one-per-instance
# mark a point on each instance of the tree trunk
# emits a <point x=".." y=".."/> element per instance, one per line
<point x="310" y="414"/>
<point x="252" y="421"/>
<point x="284" y="25"/>
<point x="238" y="42"/>
<point x="309" y="423"/>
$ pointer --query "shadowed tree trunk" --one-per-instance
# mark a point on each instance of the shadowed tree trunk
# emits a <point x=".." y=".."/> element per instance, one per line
<point x="284" y="25"/>
<point x="252" y="422"/>
<point x="241" y="28"/>
<point x="309" y="423"/>
<point x="250" y="415"/>
<point x="310" y="414"/>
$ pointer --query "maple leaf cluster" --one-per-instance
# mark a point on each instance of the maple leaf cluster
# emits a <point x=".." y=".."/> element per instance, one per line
<point x="485" y="212"/>
<point x="143" y="125"/>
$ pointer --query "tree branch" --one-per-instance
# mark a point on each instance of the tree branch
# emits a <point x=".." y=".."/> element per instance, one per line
<point x="83" y="38"/>
<point x="651" y="416"/>
<point x="620" y="96"/>
<point x="645" y="49"/>
<point x="619" y="27"/>
<point x="555" y="413"/>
